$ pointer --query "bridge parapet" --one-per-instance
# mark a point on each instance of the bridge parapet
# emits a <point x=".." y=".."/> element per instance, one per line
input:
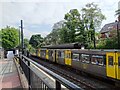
<point x="36" y="79"/>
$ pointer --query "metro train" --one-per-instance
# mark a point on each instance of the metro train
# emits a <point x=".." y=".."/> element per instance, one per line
<point x="102" y="63"/>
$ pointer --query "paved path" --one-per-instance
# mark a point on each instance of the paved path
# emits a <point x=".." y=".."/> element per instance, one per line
<point x="9" y="77"/>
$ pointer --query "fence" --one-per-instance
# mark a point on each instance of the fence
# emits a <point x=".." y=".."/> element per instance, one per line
<point x="38" y="81"/>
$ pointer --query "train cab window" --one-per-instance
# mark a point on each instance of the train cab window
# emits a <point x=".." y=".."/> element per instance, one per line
<point x="119" y="61"/>
<point x="97" y="59"/>
<point x="75" y="57"/>
<point x="110" y="60"/>
<point x="85" y="58"/>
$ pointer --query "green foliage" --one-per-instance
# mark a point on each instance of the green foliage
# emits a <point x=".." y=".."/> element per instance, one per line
<point x="31" y="49"/>
<point x="108" y="43"/>
<point x="52" y="38"/>
<point x="73" y="28"/>
<point x="78" y="27"/>
<point x="26" y="42"/>
<point x="94" y="17"/>
<point x="9" y="38"/>
<point x="101" y="44"/>
<point x="64" y="35"/>
<point x="92" y="13"/>
<point x="72" y="23"/>
<point x="36" y="41"/>
<point x="27" y="45"/>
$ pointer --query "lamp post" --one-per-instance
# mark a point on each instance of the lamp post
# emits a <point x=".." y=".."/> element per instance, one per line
<point x="22" y="42"/>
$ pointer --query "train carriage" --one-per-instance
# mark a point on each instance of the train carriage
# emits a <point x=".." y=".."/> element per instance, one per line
<point x="43" y="53"/>
<point x="102" y="63"/>
<point x="52" y="55"/>
<point x="89" y="61"/>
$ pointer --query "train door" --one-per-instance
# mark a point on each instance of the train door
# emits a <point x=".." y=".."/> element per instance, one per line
<point x="67" y="57"/>
<point x="56" y="53"/>
<point x="47" y="54"/>
<point x="38" y="52"/>
<point x="118" y="64"/>
<point x="110" y="65"/>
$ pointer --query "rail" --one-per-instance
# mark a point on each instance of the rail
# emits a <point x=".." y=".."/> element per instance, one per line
<point x="31" y="73"/>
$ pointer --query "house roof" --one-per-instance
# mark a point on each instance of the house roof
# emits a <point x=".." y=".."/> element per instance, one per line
<point x="110" y="26"/>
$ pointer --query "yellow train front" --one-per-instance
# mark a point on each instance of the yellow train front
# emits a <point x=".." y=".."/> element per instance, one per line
<point x="105" y="64"/>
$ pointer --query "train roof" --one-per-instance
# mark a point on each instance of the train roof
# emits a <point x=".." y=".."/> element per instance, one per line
<point x="95" y="51"/>
<point x="86" y="51"/>
<point x="64" y="46"/>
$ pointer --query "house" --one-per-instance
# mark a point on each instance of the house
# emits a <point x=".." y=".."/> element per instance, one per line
<point x="110" y="29"/>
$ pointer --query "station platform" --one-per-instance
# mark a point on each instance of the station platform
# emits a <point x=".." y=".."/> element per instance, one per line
<point x="9" y="77"/>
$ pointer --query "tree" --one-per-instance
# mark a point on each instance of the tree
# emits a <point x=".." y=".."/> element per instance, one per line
<point x="36" y="41"/>
<point x="72" y="22"/>
<point x="54" y="37"/>
<point x="94" y="18"/>
<point x="10" y="37"/>
<point x="27" y="45"/>
<point x="64" y="36"/>
<point x="93" y="14"/>
<point x="74" y="29"/>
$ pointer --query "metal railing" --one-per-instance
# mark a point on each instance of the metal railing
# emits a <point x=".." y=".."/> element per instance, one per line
<point x="36" y="81"/>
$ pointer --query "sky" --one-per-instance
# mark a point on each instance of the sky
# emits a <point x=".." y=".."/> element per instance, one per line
<point x="39" y="16"/>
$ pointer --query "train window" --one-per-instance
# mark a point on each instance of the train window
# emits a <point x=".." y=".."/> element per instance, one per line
<point x="75" y="57"/>
<point x="44" y="53"/>
<point x="104" y="60"/>
<point x="68" y="55"/>
<point x="60" y="54"/>
<point x="110" y="60"/>
<point x="50" y="53"/>
<point x="85" y="58"/>
<point x="119" y="61"/>
<point x="97" y="59"/>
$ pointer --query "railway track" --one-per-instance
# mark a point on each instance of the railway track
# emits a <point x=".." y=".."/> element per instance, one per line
<point x="80" y="80"/>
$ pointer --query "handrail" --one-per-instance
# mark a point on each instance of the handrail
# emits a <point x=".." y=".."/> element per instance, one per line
<point x="60" y="79"/>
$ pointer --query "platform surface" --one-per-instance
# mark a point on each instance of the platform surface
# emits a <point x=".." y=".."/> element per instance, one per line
<point x="9" y="77"/>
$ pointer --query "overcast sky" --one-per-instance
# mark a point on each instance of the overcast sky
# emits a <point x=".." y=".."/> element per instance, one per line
<point x="40" y="15"/>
